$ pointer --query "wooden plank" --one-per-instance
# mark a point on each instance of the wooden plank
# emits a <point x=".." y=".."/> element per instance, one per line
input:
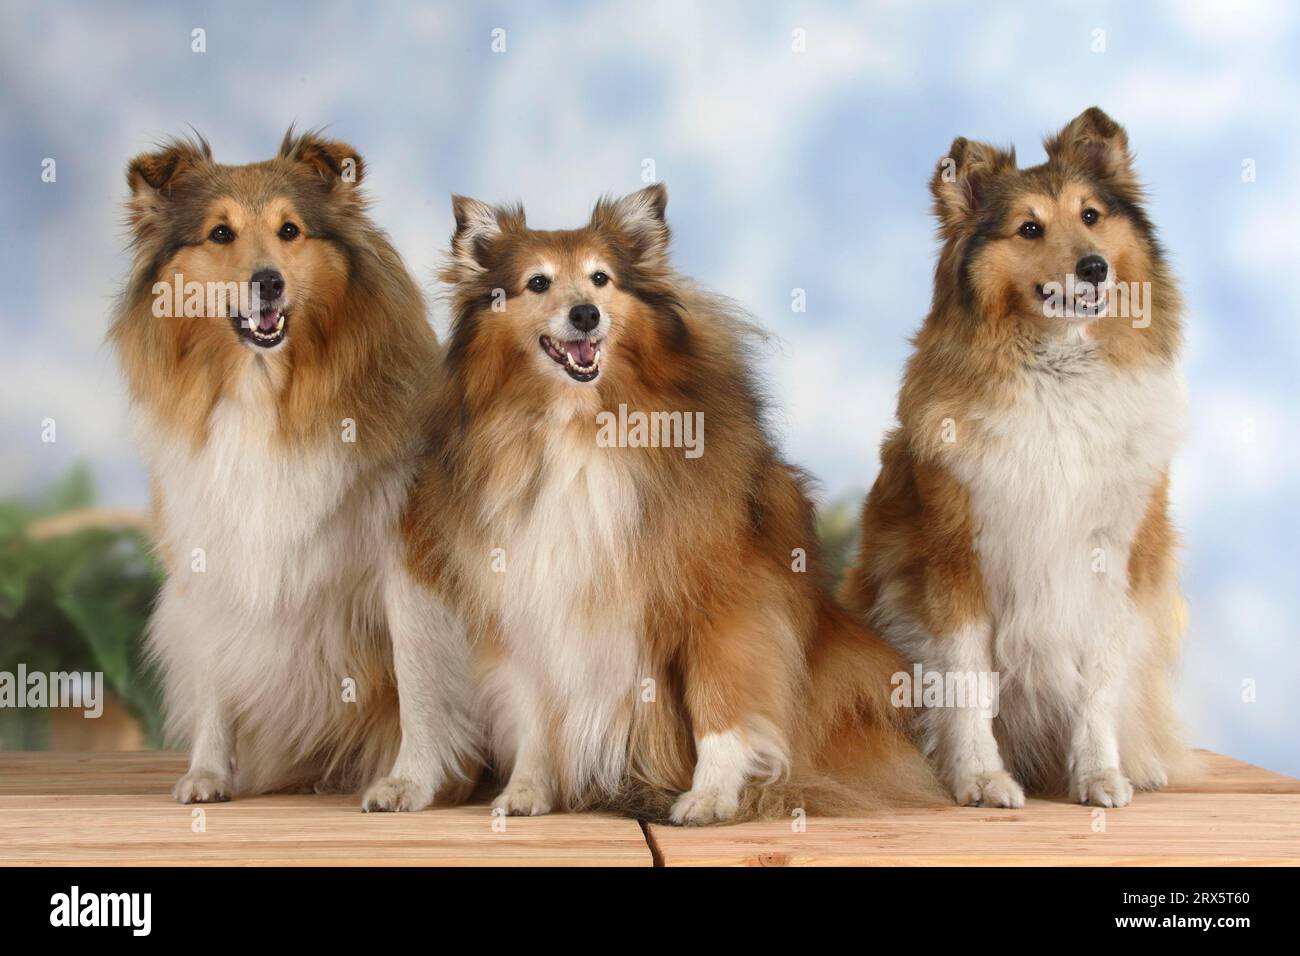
<point x="44" y="774"/>
<point x="114" y="809"/>
<point x="1231" y="814"/>
<point x="1222" y="774"/>
<point x="316" y="830"/>
<point x="1181" y="829"/>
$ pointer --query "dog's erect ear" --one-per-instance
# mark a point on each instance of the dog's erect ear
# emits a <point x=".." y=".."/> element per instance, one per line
<point x="154" y="172"/>
<point x="638" y="218"/>
<point x="962" y="178"/>
<point x="1095" y="141"/>
<point x="478" y="226"/>
<point x="152" y="176"/>
<point x="337" y="164"/>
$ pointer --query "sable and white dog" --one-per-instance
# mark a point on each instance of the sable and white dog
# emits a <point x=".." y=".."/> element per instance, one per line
<point x="652" y="627"/>
<point x="1019" y="524"/>
<point x="280" y="430"/>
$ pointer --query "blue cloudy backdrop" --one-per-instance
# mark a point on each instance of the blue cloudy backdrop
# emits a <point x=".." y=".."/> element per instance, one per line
<point x="786" y="170"/>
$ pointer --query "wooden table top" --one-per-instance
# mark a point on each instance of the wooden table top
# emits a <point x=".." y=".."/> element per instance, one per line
<point x="116" y="809"/>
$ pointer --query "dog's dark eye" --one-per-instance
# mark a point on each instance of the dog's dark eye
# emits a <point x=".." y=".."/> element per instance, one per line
<point x="1031" y="230"/>
<point x="221" y="235"/>
<point x="599" y="278"/>
<point x="539" y="283"/>
<point x="1090" y="216"/>
<point x="288" y="231"/>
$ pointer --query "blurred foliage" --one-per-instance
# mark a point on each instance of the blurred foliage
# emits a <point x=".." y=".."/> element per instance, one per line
<point x="837" y="526"/>
<point x="75" y="602"/>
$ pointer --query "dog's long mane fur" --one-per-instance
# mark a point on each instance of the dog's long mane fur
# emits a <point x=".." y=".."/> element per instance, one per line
<point x="338" y="367"/>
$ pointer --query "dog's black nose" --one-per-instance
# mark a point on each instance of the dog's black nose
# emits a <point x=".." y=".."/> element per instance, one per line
<point x="268" y="283"/>
<point x="1092" y="269"/>
<point x="584" y="318"/>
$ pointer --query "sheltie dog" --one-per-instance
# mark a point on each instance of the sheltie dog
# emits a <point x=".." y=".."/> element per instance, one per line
<point x="280" y="363"/>
<point x="651" y="625"/>
<point x="1019" y="525"/>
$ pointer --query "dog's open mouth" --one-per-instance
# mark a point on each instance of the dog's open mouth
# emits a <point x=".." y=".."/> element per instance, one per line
<point x="266" y="329"/>
<point x="580" y="358"/>
<point x="1087" y="303"/>
<point x="1090" y="306"/>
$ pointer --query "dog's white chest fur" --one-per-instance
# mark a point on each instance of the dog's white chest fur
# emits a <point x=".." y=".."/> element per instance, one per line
<point x="569" y="615"/>
<point x="250" y="522"/>
<point x="1058" y="488"/>
<point x="275" y="582"/>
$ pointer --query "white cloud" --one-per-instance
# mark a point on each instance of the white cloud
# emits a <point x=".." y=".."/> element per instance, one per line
<point x="1234" y="694"/>
<point x="1241" y="447"/>
<point x="1216" y="23"/>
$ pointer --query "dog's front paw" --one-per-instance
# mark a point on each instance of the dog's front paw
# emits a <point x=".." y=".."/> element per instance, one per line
<point x="202" y="786"/>
<point x="705" y="805"/>
<point x="1102" y="788"/>
<point x="996" y="789"/>
<point x="523" y="799"/>
<point x="393" y="794"/>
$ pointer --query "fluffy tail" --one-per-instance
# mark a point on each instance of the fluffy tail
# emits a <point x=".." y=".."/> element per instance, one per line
<point x="852" y="751"/>
<point x="1155" y="747"/>
<point x="859" y="752"/>
<point x="853" y="754"/>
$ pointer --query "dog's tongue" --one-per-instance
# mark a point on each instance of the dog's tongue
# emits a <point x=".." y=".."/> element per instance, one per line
<point x="583" y="352"/>
<point x="267" y="319"/>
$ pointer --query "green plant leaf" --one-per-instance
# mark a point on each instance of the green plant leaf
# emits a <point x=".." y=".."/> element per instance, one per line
<point x="76" y="490"/>
<point x="16" y="560"/>
<point x="107" y="595"/>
